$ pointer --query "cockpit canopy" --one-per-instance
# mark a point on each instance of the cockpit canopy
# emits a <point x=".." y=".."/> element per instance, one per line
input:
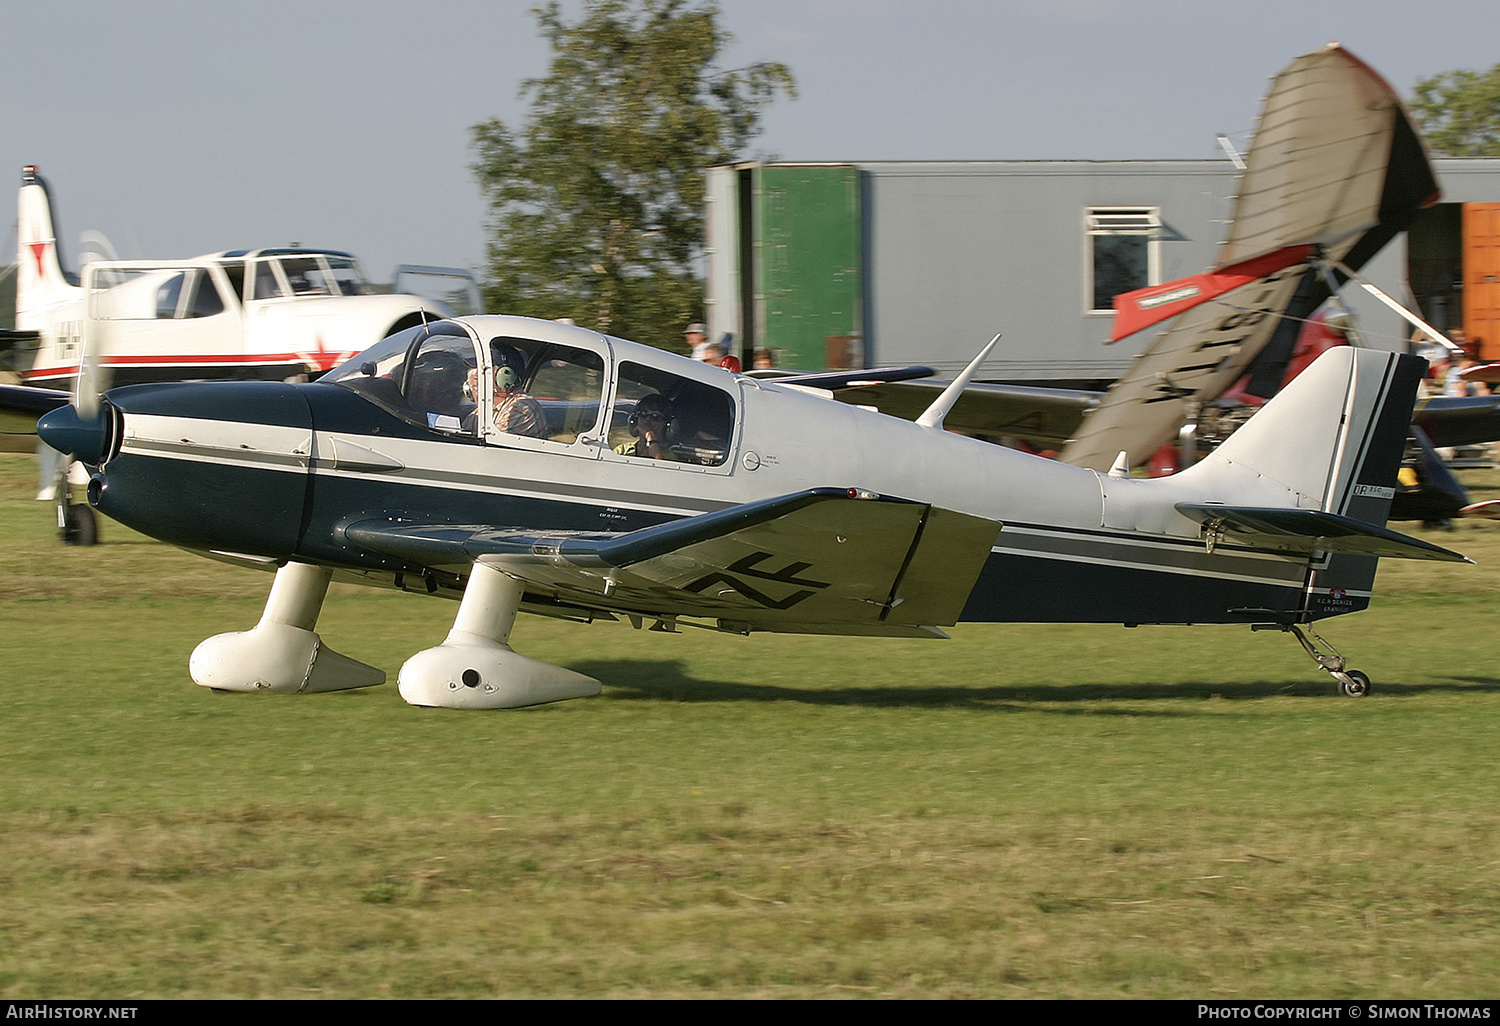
<point x="508" y="387"/>
<point x="281" y="273"/>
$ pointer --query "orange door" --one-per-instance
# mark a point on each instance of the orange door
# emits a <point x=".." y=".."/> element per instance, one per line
<point x="1482" y="278"/>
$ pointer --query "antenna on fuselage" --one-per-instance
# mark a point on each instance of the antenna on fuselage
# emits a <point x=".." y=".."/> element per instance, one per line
<point x="933" y="418"/>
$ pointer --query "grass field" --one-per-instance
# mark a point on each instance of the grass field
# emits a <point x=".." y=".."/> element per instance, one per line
<point x="1060" y="811"/>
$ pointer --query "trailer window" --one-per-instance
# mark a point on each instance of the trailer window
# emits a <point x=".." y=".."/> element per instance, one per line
<point x="1122" y="245"/>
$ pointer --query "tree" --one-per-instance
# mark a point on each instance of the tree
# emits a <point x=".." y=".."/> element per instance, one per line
<point x="597" y="202"/>
<point x="1459" y="112"/>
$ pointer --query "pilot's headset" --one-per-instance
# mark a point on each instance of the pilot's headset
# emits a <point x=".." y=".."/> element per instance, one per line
<point x="659" y="403"/>
<point x="508" y="364"/>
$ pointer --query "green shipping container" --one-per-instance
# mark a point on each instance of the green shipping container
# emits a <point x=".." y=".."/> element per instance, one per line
<point x="810" y="285"/>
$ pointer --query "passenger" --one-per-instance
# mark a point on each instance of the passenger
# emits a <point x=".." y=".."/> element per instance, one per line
<point x="651" y="424"/>
<point x="514" y="412"/>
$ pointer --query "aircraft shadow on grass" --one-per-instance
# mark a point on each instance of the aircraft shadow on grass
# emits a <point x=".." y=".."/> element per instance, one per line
<point x="667" y="680"/>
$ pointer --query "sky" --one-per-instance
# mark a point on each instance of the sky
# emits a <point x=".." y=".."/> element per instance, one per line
<point x="182" y="128"/>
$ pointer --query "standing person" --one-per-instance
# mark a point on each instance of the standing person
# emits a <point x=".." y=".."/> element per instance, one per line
<point x="1457" y="385"/>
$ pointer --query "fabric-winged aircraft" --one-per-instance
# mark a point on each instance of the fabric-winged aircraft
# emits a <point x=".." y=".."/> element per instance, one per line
<point x="1337" y="169"/>
<point x="646" y="486"/>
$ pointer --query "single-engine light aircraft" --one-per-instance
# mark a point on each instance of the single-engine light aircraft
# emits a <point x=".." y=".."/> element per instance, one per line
<point x="516" y="464"/>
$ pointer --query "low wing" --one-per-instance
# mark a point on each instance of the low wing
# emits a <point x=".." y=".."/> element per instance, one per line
<point x="22" y="405"/>
<point x="1336" y="166"/>
<point x="1135" y="311"/>
<point x="834" y="380"/>
<point x="1489" y="373"/>
<point x="1309" y="530"/>
<point x="1044" y="417"/>
<point x="1460" y="420"/>
<point x="828" y="561"/>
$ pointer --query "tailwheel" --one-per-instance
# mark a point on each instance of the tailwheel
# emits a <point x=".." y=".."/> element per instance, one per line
<point x="1353" y="684"/>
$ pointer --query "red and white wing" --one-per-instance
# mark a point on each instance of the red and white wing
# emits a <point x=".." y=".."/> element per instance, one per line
<point x="1336" y="165"/>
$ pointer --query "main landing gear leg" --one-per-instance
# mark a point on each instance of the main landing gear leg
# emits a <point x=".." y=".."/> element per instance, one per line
<point x="1352" y="683"/>
<point x="282" y="653"/>
<point x="76" y="524"/>
<point x="475" y="668"/>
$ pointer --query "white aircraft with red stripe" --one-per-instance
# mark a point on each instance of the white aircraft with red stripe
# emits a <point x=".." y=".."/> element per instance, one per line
<point x="266" y="314"/>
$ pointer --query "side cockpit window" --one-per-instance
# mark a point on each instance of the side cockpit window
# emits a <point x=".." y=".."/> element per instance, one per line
<point x="266" y="285"/>
<point x="186" y="294"/>
<point x="542" y="390"/>
<point x="661" y="416"/>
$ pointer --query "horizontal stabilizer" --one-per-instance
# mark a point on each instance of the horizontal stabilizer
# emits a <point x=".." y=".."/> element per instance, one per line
<point x="1309" y="530"/>
<point x="1459" y="420"/>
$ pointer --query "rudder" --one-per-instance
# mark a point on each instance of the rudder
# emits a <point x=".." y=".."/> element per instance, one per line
<point x="41" y="282"/>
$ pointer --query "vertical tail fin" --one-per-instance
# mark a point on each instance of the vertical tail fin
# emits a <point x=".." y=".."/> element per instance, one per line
<point x="1334" y="437"/>
<point x="1331" y="442"/>
<point x="41" y="282"/>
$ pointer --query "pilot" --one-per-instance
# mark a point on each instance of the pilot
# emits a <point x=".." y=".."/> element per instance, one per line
<point x="436" y="389"/>
<point x="515" y="412"/>
<point x="652" y="425"/>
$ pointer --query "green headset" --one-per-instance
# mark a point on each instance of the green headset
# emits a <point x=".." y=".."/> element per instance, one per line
<point x="509" y="364"/>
